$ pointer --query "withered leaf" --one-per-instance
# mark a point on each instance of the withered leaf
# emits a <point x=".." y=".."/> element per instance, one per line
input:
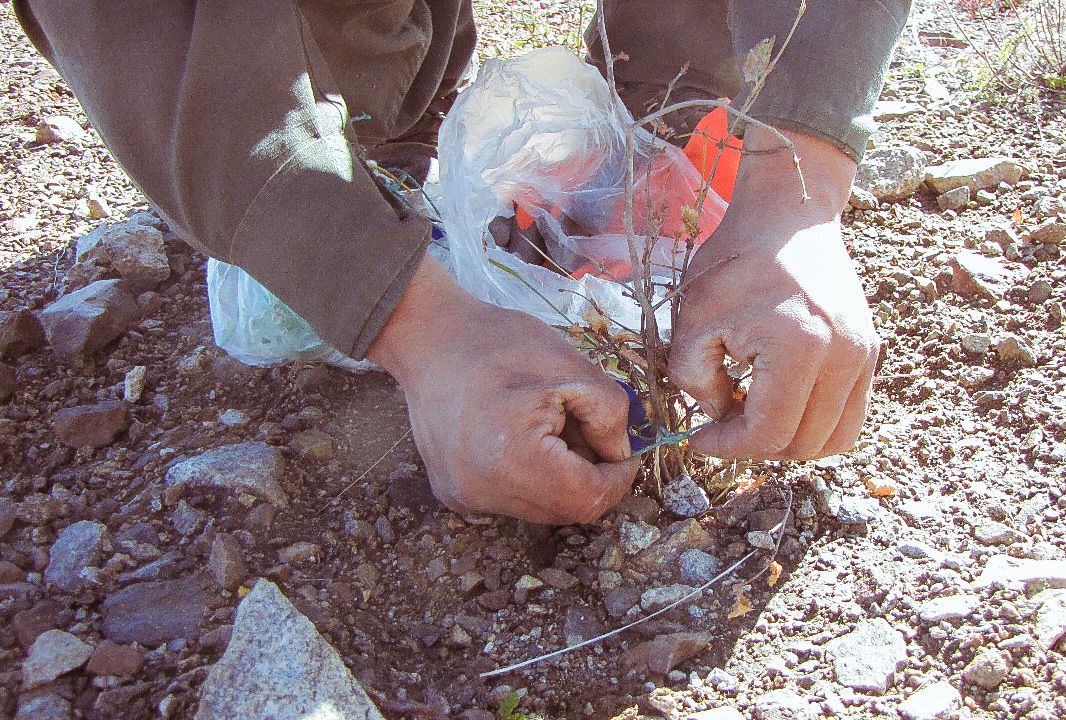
<point x="757" y="61"/>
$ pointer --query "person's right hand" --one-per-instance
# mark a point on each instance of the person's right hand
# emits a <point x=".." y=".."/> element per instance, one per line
<point x="508" y="417"/>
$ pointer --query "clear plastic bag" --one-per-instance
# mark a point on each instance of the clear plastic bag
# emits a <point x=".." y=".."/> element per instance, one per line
<point x="539" y="134"/>
<point x="254" y="326"/>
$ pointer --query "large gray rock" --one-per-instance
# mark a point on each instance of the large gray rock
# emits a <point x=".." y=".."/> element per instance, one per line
<point x="892" y="173"/>
<point x="52" y="654"/>
<point x="79" y="546"/>
<point x="86" y="320"/>
<point x="153" y="613"/>
<point x="868" y="657"/>
<point x="278" y="666"/>
<point x="20" y="333"/>
<point x="974" y="173"/>
<point x="132" y="249"/>
<point x="252" y="467"/>
<point x="91" y="425"/>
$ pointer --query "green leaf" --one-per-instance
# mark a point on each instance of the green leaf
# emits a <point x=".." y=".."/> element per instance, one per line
<point x="508" y="706"/>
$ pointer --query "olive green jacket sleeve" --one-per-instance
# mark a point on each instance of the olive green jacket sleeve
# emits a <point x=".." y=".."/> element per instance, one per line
<point x="832" y="70"/>
<point x="227" y="117"/>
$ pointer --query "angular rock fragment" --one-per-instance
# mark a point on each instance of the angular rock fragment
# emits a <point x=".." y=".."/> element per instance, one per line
<point x="657" y="598"/>
<point x="868" y="657"/>
<point x="59" y="129"/>
<point x="954" y="199"/>
<point x="52" y="654"/>
<point x="784" y="705"/>
<point x="975" y="274"/>
<point x="1032" y="575"/>
<point x="113" y="660"/>
<point x="8" y="381"/>
<point x="252" y="467"/>
<point x="932" y="702"/>
<point x="47" y="706"/>
<point x="278" y="666"/>
<point x="1050" y="618"/>
<point x="952" y="607"/>
<point x="153" y="613"/>
<point x="91" y="425"/>
<point x="79" y="546"/>
<point x="133" y="250"/>
<point x="20" y="333"/>
<point x="664" y="653"/>
<point x="684" y="498"/>
<point x="679" y="536"/>
<point x="976" y="174"/>
<point x="988" y="669"/>
<point x="724" y="712"/>
<point x="1011" y="350"/>
<point x="226" y="562"/>
<point x="86" y="320"/>
<point x="891" y="174"/>
<point x="698" y="567"/>
<point x="636" y="536"/>
<point x="1051" y="232"/>
<point x="581" y="624"/>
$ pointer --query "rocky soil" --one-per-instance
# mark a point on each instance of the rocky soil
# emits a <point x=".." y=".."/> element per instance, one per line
<point x="184" y="536"/>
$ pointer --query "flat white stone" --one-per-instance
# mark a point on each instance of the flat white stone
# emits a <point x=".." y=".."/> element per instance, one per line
<point x="953" y="607"/>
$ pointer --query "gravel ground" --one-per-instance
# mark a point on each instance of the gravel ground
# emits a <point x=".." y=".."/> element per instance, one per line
<point x="920" y="575"/>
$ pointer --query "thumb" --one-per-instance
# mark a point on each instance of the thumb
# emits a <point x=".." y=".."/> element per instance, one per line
<point x="601" y="407"/>
<point x="698" y="368"/>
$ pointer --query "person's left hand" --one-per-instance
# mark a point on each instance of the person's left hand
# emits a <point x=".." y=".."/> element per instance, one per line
<point x="774" y="286"/>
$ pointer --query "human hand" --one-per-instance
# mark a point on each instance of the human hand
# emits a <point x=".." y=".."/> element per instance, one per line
<point x="508" y="417"/>
<point x="774" y="286"/>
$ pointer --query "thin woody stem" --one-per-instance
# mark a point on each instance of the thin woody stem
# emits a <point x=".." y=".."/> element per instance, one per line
<point x="786" y="143"/>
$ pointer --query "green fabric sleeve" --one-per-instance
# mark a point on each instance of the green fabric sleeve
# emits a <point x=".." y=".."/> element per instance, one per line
<point x="830" y="74"/>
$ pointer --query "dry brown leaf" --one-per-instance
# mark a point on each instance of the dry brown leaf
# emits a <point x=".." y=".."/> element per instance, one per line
<point x="752" y="484"/>
<point x="879" y="488"/>
<point x="597" y="322"/>
<point x="741" y="607"/>
<point x="631" y="355"/>
<point x="757" y="61"/>
<point x="775" y="573"/>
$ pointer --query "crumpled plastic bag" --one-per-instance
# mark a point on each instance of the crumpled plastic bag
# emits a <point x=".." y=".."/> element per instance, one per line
<point x="539" y="134"/>
<point x="250" y="323"/>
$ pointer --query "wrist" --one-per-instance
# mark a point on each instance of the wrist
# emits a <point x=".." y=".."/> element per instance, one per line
<point x="431" y="302"/>
<point x="768" y="178"/>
